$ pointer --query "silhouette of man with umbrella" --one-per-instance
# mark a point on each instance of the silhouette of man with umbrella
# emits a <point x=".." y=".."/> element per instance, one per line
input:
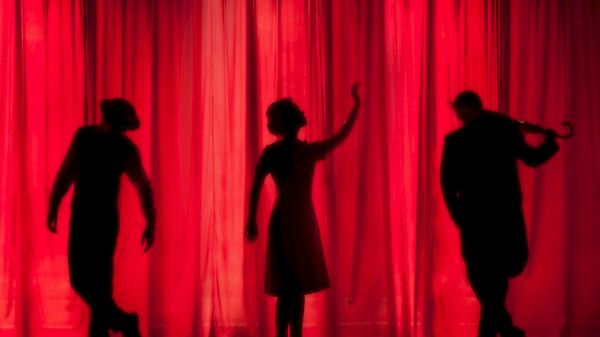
<point x="481" y="188"/>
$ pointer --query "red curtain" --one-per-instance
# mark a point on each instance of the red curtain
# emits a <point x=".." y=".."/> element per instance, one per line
<point x="201" y="74"/>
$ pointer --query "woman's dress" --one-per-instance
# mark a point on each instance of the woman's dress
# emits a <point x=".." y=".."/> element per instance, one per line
<point x="295" y="263"/>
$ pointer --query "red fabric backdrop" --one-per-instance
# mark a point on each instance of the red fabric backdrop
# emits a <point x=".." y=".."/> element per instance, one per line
<point x="201" y="74"/>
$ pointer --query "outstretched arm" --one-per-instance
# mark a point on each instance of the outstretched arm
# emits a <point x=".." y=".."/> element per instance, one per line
<point x="137" y="175"/>
<point x="251" y="230"/>
<point x="327" y="145"/>
<point x="62" y="183"/>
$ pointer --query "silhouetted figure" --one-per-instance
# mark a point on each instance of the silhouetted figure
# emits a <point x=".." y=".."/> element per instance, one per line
<point x="295" y="263"/>
<point x="96" y="158"/>
<point x="481" y="187"/>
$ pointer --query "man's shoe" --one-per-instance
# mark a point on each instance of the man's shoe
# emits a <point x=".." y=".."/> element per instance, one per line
<point x="98" y="329"/>
<point x="513" y="331"/>
<point x="131" y="326"/>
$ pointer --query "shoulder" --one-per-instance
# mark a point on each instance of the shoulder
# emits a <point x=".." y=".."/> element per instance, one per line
<point x="270" y="148"/>
<point x="265" y="160"/>
<point x="269" y="151"/>
<point x="127" y="140"/>
<point x="456" y="141"/>
<point x="502" y="120"/>
<point x="314" y="146"/>
<point x="86" y="130"/>
<point x="317" y="150"/>
<point x="497" y="122"/>
<point x="503" y="129"/>
<point x="128" y="144"/>
<point x="453" y="136"/>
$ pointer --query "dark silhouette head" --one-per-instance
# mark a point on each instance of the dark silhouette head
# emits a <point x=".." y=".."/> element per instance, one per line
<point x="119" y="114"/>
<point x="285" y="118"/>
<point x="466" y="105"/>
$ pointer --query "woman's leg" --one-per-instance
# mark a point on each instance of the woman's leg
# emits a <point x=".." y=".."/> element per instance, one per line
<point x="297" y="316"/>
<point x="282" y="314"/>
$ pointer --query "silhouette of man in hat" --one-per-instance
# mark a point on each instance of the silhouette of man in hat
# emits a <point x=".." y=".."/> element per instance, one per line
<point x="94" y="163"/>
<point x="481" y="188"/>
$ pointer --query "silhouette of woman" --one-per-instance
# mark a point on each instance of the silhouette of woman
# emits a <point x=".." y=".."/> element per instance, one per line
<point x="295" y="264"/>
<point x="96" y="158"/>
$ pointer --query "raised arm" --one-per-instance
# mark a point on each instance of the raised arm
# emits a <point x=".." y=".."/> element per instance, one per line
<point x="137" y="175"/>
<point x="62" y="182"/>
<point x="251" y="230"/>
<point x="535" y="156"/>
<point x="327" y="145"/>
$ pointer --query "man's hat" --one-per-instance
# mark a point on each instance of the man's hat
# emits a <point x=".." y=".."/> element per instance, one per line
<point x="467" y="98"/>
<point x="120" y="113"/>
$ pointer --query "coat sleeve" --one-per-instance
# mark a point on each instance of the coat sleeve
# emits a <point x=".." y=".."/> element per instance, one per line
<point x="66" y="174"/>
<point x="449" y="172"/>
<point x="531" y="155"/>
<point x="136" y="173"/>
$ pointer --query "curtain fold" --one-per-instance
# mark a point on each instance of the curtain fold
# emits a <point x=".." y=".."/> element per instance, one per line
<point x="201" y="74"/>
